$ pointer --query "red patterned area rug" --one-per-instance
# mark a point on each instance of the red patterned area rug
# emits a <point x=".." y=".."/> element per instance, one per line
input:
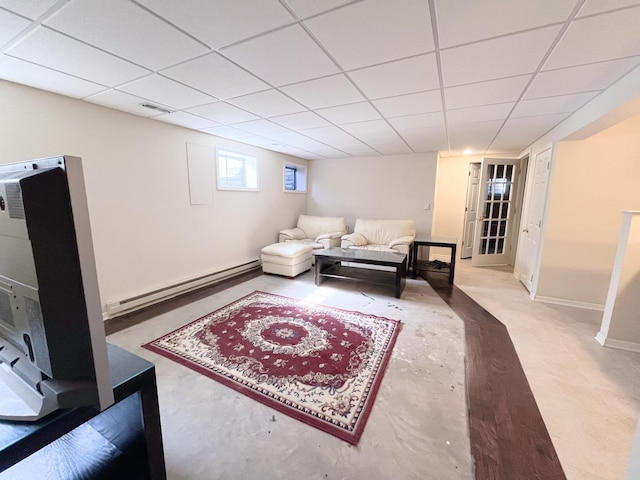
<point x="318" y="364"/>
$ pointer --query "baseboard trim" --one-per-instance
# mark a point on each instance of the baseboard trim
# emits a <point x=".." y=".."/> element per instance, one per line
<point x="617" y="344"/>
<point x="569" y="303"/>
<point x="140" y="301"/>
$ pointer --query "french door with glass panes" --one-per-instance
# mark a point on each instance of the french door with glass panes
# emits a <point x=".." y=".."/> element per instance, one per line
<point x="492" y="243"/>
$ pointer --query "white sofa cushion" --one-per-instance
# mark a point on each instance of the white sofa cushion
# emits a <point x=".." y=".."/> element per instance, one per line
<point x="385" y="235"/>
<point x="316" y="232"/>
<point x="315" y="226"/>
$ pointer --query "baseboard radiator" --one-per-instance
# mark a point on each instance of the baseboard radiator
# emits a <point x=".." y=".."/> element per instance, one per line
<point x="137" y="302"/>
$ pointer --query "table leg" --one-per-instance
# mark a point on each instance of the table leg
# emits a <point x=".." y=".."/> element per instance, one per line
<point x="452" y="264"/>
<point x="401" y="278"/>
<point x="414" y="261"/>
<point x="318" y="278"/>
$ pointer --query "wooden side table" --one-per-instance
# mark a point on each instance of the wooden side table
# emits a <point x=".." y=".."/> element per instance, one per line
<point x="439" y="267"/>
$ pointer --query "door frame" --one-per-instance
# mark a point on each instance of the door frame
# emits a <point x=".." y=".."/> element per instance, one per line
<point x="474" y="201"/>
<point x="535" y="271"/>
<point x="513" y="236"/>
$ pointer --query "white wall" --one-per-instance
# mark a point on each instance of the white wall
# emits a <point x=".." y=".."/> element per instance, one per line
<point x="621" y="319"/>
<point x="617" y="103"/>
<point x="593" y="180"/>
<point x="146" y="234"/>
<point x="450" y="200"/>
<point x="384" y="187"/>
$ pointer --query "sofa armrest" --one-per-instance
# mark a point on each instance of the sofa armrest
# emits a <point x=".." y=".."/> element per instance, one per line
<point x="329" y="240"/>
<point x="291" y="234"/>
<point x="353" y="240"/>
<point x="406" y="240"/>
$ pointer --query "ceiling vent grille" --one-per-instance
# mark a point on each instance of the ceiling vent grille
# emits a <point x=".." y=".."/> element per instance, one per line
<point x="155" y="107"/>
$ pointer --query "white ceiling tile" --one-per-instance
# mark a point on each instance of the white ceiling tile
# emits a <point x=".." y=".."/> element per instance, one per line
<point x="604" y="37"/>
<point x="296" y="152"/>
<point x="358" y="150"/>
<point x="226" y="132"/>
<point x="300" y="121"/>
<point x="222" y="112"/>
<point x="485" y="113"/>
<point x="324" y="92"/>
<point x="520" y="132"/>
<point x="159" y="89"/>
<point x="330" y="135"/>
<point x="296" y="140"/>
<point x="217" y="76"/>
<point x="31" y="9"/>
<point x="26" y="73"/>
<point x="426" y="139"/>
<point x="579" y="79"/>
<point x="257" y="141"/>
<point x="422" y="120"/>
<point x="10" y="26"/>
<point x="356" y="112"/>
<point x="486" y="93"/>
<point x="423" y="102"/>
<point x="185" y="120"/>
<point x="374" y="31"/>
<point x="222" y="22"/>
<point x="281" y="57"/>
<point x="465" y="21"/>
<point x="552" y="105"/>
<point x="306" y="8"/>
<point x="377" y="131"/>
<point x="54" y="50"/>
<point x="500" y="57"/>
<point x="392" y="148"/>
<point x="260" y="127"/>
<point x="591" y="7"/>
<point x="398" y="78"/>
<point x="126" y="30"/>
<point x="270" y="103"/>
<point x="123" y="101"/>
<point x="474" y="136"/>
<point x="327" y="151"/>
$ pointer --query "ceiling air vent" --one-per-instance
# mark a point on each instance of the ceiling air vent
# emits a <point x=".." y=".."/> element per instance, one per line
<point x="155" y="107"/>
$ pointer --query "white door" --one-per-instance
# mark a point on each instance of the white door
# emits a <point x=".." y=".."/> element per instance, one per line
<point x="492" y="244"/>
<point x="470" y="211"/>
<point x="533" y="224"/>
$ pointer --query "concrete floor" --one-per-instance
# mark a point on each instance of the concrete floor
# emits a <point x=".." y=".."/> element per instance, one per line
<point x="589" y="396"/>
<point x="417" y="428"/>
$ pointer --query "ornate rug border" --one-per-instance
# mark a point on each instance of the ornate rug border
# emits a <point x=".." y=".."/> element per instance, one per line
<point x="268" y="400"/>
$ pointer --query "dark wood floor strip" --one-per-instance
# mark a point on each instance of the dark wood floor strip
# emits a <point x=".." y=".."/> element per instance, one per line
<point x="509" y="439"/>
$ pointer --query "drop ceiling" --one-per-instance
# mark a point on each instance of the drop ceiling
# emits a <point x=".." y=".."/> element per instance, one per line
<point x="333" y="78"/>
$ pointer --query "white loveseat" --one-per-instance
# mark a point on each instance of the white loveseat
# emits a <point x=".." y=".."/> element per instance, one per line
<point x="316" y="232"/>
<point x="384" y="235"/>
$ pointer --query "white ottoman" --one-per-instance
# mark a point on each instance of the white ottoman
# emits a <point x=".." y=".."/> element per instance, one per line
<point x="288" y="259"/>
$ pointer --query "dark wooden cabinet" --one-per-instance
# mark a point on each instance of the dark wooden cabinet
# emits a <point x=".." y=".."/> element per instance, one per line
<point x="123" y="441"/>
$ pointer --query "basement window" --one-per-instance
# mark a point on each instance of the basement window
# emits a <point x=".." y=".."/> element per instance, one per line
<point x="295" y="177"/>
<point x="237" y="171"/>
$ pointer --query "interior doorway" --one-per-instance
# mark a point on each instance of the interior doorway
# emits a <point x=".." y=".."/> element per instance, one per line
<point x="495" y="191"/>
<point x="470" y="210"/>
<point x="533" y="224"/>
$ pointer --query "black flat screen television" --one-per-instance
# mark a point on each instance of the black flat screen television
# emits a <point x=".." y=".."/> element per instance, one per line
<point x="53" y="350"/>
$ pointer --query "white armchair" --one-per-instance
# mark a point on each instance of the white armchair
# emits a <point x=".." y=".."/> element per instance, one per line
<point x="317" y="232"/>
<point x="384" y="235"/>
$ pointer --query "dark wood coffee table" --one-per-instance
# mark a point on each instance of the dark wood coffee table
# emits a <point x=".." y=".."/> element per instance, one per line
<point x="329" y="265"/>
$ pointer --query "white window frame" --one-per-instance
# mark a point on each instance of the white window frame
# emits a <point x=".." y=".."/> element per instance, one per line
<point x="251" y="170"/>
<point x="301" y="177"/>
